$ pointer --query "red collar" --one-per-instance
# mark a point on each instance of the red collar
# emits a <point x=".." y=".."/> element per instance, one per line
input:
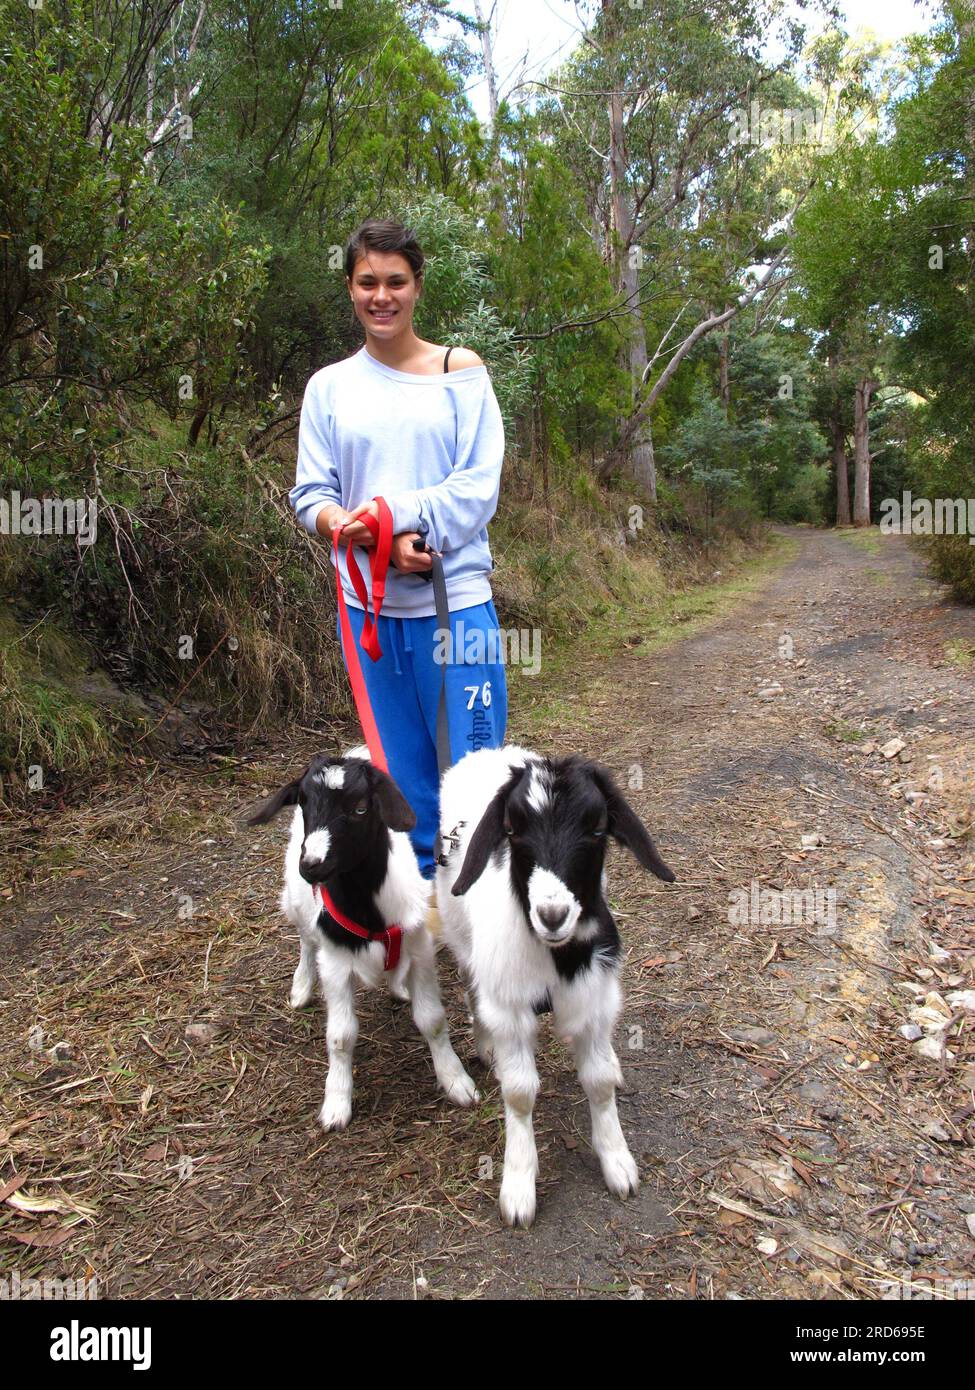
<point x="391" y="937"/>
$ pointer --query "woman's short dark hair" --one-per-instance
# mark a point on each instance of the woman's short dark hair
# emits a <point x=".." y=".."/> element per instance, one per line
<point x="383" y="234"/>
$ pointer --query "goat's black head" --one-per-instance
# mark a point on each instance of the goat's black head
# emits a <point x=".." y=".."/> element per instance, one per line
<point x="554" y="815"/>
<point x="347" y="805"/>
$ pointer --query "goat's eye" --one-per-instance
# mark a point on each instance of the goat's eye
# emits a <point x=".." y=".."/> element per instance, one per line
<point x="360" y="810"/>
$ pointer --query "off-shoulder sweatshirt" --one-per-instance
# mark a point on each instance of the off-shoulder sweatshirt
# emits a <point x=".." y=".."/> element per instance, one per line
<point x="431" y="445"/>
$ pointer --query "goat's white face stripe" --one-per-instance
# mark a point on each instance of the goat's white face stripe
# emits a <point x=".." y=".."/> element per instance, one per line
<point x="333" y="777"/>
<point x="316" y="846"/>
<point x="546" y="890"/>
<point x="539" y="789"/>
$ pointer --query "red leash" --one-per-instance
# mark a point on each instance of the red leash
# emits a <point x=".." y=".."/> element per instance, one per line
<point x="382" y="531"/>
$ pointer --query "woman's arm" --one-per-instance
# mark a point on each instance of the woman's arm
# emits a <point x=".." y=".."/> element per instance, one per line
<point x="451" y="513"/>
<point x="317" y="495"/>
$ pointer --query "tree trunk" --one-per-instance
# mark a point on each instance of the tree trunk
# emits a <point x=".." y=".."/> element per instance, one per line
<point x="543" y="446"/>
<point x="843" y="517"/>
<point x="861" y="451"/>
<point x="641" y="462"/>
<point x="639" y="455"/>
<point x="150" y="88"/>
<point x="197" y="423"/>
<point x="497" y="189"/>
<point x="838" y="432"/>
<point x="724" y="380"/>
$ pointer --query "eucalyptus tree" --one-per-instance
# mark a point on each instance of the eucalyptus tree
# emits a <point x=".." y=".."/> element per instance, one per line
<point x="556" y="296"/>
<point x="930" y="271"/>
<point x="648" y="116"/>
<point x="842" y="255"/>
<point x="842" y="250"/>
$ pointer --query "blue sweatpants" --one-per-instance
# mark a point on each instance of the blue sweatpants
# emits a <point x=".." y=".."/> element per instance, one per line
<point x="404" y="691"/>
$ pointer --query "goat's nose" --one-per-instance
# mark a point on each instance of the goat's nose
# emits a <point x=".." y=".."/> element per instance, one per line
<point x="552" y="916"/>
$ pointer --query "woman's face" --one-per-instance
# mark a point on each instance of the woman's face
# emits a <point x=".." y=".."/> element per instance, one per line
<point x="384" y="292"/>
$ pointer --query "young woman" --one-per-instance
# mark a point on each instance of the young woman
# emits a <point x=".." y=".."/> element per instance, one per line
<point x="420" y="426"/>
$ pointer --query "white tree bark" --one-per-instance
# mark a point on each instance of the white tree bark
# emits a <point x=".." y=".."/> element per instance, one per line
<point x="861" y="451"/>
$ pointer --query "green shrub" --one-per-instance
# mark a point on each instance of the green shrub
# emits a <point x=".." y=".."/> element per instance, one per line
<point x="952" y="561"/>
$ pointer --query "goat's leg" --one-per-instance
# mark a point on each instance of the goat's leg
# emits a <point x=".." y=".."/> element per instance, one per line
<point x="398" y="986"/>
<point x="483" y="1042"/>
<point x="430" y="1019"/>
<point x="303" y="984"/>
<point x="342" y="1031"/>
<point x="599" y="1071"/>
<point x="514" y="1063"/>
<point x="459" y="947"/>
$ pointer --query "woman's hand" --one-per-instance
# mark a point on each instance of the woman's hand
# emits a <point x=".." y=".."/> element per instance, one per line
<point x="357" y="532"/>
<point x="330" y="516"/>
<point x="404" y="557"/>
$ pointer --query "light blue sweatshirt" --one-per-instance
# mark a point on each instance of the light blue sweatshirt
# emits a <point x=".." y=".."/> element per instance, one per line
<point x="431" y="445"/>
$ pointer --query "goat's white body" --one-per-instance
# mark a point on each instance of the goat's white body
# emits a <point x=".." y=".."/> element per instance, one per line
<point x="402" y="900"/>
<point x="508" y="969"/>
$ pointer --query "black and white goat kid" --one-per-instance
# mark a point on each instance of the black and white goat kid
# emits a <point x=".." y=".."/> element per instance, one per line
<point x="347" y="832"/>
<point x="522" y="898"/>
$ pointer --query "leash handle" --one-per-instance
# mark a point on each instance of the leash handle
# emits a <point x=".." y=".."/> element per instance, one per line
<point x="382" y="532"/>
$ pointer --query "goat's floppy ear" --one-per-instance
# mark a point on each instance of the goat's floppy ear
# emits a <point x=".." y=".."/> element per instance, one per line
<point x="485" y="840"/>
<point x="489" y="833"/>
<point x="627" y="827"/>
<point x="397" y="812"/>
<point x="287" y="796"/>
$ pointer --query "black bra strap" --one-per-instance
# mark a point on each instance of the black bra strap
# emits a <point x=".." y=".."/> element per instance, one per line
<point x="446" y="357"/>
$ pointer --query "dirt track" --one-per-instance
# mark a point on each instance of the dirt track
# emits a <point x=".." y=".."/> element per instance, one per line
<point x="769" y="1094"/>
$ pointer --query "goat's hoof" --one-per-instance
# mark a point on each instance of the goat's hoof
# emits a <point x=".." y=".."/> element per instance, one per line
<point x="462" y="1091"/>
<point x="620" y="1173"/>
<point x="301" y="996"/>
<point x="335" y="1115"/>
<point x="518" y="1201"/>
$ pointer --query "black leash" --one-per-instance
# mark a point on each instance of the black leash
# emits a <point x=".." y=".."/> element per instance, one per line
<point x="443" y="622"/>
<point x="435" y="576"/>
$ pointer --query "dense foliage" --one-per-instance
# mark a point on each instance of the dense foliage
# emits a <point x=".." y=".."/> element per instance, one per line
<point x="673" y="275"/>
